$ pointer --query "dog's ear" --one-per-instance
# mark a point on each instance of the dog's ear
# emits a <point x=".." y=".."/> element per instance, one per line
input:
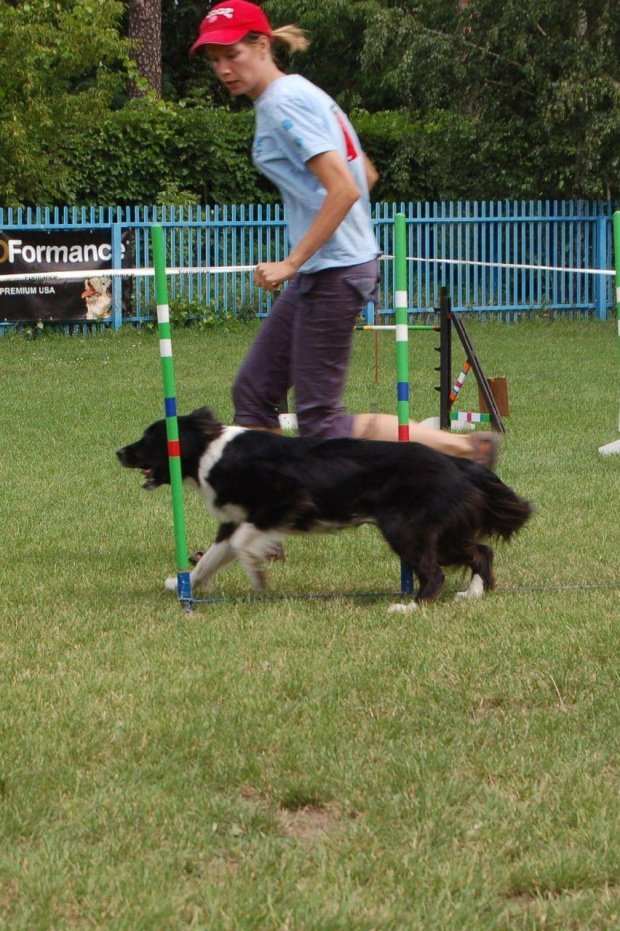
<point x="202" y="413"/>
<point x="203" y="417"/>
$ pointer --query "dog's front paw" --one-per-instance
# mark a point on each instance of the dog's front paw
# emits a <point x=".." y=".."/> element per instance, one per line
<point x="171" y="584"/>
<point x="398" y="608"/>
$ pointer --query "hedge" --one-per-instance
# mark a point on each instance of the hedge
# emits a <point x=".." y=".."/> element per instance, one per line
<point x="157" y="152"/>
<point x="162" y="153"/>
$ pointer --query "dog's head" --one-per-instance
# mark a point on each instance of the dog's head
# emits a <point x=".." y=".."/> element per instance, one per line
<point x="150" y="453"/>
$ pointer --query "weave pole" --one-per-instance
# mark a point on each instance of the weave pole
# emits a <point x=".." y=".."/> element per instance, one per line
<point x="614" y="447"/>
<point x="184" y="587"/>
<point x="402" y="356"/>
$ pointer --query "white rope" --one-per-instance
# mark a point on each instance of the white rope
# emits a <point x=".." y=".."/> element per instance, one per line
<point x="223" y="269"/>
<point x="123" y="272"/>
<point x="534" y="268"/>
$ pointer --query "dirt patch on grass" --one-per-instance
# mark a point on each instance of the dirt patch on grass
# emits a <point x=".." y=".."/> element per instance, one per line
<point x="312" y="820"/>
<point x="301" y="815"/>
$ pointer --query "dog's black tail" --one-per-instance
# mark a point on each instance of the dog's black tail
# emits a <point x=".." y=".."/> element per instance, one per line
<point x="504" y="512"/>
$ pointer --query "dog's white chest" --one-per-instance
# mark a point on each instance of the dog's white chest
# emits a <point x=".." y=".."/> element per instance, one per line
<point x="229" y="513"/>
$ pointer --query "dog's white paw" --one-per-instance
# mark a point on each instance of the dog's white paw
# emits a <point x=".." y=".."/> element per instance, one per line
<point x="475" y="589"/>
<point x="171" y="584"/>
<point x="399" y="608"/>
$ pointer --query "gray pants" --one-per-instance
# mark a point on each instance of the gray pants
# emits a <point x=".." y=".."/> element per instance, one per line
<point x="305" y="344"/>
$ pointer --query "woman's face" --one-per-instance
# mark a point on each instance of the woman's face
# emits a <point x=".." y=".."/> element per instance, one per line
<point x="243" y="67"/>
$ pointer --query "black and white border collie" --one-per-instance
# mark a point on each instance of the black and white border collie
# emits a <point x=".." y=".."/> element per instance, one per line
<point x="432" y="509"/>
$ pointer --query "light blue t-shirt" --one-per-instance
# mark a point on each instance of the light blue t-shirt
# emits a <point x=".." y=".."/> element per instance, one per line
<point x="295" y="120"/>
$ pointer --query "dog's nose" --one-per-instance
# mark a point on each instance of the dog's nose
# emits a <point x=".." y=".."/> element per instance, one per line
<point x="121" y="455"/>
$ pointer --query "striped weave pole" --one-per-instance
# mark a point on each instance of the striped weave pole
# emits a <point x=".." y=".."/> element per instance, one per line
<point x="402" y="355"/>
<point x="184" y="587"/>
<point x="458" y="384"/>
<point x="469" y="417"/>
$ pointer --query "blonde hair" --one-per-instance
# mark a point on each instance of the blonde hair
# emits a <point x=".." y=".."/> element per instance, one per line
<point x="294" y="37"/>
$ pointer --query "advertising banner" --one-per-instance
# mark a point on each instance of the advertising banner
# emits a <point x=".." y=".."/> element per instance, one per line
<point x="35" y="251"/>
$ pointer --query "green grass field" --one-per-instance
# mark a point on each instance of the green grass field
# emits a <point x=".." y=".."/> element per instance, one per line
<point x="304" y="763"/>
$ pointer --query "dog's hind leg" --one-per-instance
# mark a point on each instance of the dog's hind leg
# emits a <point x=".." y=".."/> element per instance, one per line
<point x="484" y="565"/>
<point x="480" y="562"/>
<point x="251" y="547"/>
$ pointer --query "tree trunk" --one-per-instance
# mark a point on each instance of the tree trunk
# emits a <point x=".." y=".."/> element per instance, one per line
<point x="145" y="32"/>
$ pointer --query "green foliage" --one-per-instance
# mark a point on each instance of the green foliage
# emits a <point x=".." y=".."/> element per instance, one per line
<point x="518" y="99"/>
<point x="151" y="151"/>
<point x="164" y="153"/>
<point x="198" y="314"/>
<point x="61" y="64"/>
<point x="532" y="89"/>
<point x="452" y="99"/>
<point x="339" y="31"/>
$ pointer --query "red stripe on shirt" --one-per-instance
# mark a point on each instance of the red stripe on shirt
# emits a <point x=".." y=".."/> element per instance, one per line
<point x="352" y="152"/>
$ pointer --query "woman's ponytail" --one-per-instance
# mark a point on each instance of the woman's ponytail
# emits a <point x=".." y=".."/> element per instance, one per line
<point x="294" y="37"/>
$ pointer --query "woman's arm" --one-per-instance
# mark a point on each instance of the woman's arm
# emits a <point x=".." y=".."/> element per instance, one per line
<point x="342" y="192"/>
<point x="372" y="175"/>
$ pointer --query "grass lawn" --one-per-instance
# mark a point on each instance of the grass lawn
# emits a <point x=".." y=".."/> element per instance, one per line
<point x="303" y="763"/>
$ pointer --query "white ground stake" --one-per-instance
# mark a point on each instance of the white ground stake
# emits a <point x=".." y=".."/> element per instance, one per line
<point x="613" y="448"/>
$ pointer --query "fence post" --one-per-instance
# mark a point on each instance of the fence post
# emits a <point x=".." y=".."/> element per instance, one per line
<point x="117" y="281"/>
<point x="601" y="262"/>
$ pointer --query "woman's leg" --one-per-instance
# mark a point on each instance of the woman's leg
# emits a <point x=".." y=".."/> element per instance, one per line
<point x="265" y="374"/>
<point x="306" y="342"/>
<point x="330" y="303"/>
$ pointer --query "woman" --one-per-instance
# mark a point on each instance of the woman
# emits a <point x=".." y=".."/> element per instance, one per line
<point x="306" y="145"/>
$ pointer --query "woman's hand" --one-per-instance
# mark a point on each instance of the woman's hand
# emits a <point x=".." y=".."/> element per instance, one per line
<point x="270" y="275"/>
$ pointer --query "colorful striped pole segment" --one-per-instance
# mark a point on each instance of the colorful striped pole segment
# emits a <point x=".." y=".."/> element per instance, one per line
<point x="458" y="384"/>
<point x="402" y="354"/>
<point x="402" y="326"/>
<point x="469" y="417"/>
<point x="184" y="587"/>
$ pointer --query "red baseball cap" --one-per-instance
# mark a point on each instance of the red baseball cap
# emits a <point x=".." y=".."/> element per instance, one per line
<point x="231" y="21"/>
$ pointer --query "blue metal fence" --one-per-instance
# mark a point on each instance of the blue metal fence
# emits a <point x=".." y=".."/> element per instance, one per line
<point x="478" y="238"/>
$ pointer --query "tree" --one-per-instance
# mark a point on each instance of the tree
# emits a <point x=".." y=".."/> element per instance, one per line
<point x="339" y="31"/>
<point x="61" y="64"/>
<point x="184" y="75"/>
<point x="533" y="87"/>
<point x="145" y="19"/>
